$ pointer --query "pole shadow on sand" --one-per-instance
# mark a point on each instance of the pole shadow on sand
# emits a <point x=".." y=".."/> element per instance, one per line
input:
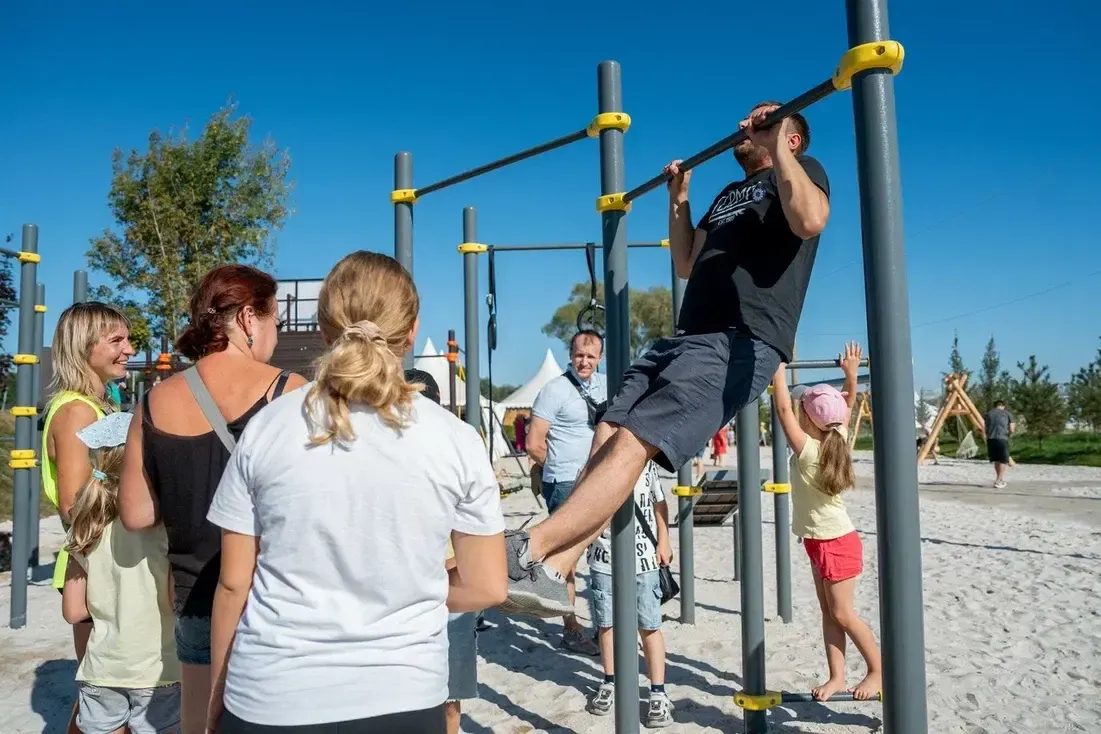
<point x="53" y="693"/>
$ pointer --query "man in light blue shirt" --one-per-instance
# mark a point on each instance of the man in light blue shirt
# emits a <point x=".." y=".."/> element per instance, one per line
<point x="560" y="438"/>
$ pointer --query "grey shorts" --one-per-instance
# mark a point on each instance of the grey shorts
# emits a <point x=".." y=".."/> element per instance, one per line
<point x="647" y="589"/>
<point x="462" y="656"/>
<point x="678" y="394"/>
<point x="104" y="710"/>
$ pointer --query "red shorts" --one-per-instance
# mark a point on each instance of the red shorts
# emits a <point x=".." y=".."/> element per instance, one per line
<point x="836" y="559"/>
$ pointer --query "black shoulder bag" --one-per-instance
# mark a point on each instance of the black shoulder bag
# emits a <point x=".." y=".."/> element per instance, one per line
<point x="669" y="587"/>
<point x="596" y="410"/>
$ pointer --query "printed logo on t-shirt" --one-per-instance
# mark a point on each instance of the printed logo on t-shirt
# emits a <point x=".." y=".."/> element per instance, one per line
<point x="648" y="493"/>
<point x="735" y="202"/>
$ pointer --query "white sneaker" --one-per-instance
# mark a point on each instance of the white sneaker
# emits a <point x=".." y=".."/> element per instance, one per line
<point x="603" y="701"/>
<point x="999" y="485"/>
<point x="659" y="712"/>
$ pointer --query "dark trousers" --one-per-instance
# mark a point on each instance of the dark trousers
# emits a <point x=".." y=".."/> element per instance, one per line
<point x="427" y="721"/>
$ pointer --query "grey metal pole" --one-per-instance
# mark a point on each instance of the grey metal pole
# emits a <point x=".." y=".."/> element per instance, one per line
<point x="752" y="563"/>
<point x="80" y="286"/>
<point x="736" y="524"/>
<point x="36" y="381"/>
<point x="782" y="512"/>
<point x="896" y="488"/>
<point x="617" y="313"/>
<point x="23" y="456"/>
<point x="685" y="521"/>
<point x="403" y="221"/>
<point x="473" y="413"/>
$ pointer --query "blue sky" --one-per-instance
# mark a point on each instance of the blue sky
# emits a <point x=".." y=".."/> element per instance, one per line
<point x="994" y="104"/>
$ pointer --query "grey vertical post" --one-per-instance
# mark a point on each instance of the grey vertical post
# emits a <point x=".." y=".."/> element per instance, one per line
<point x="24" y="427"/>
<point x="470" y="320"/>
<point x="752" y="563"/>
<point x="36" y="382"/>
<point x="613" y="180"/>
<point x="80" y="286"/>
<point x="736" y="524"/>
<point x="685" y="521"/>
<point x="782" y="511"/>
<point x="896" y="489"/>
<point x="403" y="221"/>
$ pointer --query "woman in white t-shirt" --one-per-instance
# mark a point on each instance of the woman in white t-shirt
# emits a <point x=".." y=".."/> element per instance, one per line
<point x="336" y="508"/>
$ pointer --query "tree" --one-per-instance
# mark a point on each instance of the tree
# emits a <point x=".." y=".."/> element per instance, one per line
<point x="651" y="315"/>
<point x="500" y="392"/>
<point x="184" y="207"/>
<point x="924" y="413"/>
<point x="955" y="429"/>
<point x="7" y="293"/>
<point x="1084" y="395"/>
<point x="993" y="380"/>
<point x="1037" y="400"/>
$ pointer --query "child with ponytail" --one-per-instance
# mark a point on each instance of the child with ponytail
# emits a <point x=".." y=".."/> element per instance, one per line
<point x="129" y="676"/>
<point x="821" y="470"/>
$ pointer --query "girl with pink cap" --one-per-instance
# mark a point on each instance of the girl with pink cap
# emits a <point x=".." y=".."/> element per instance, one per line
<point x="821" y="469"/>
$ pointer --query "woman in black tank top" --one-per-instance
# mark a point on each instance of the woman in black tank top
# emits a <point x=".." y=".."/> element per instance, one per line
<point x="178" y="450"/>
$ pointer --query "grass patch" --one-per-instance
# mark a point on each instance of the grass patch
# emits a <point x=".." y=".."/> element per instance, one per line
<point x="1066" y="449"/>
<point x="7" y="431"/>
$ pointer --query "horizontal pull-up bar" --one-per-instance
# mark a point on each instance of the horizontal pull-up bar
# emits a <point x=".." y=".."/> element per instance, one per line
<point x="878" y="55"/>
<point x="820" y="364"/>
<point x="840" y="697"/>
<point x="568" y="246"/>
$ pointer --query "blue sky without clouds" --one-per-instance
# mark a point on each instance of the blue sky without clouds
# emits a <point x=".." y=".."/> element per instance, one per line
<point x="994" y="105"/>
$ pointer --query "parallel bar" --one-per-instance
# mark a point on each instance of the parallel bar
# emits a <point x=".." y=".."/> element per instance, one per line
<point x="5" y="303"/>
<point x="502" y="162"/>
<point x="782" y="513"/>
<point x="617" y="314"/>
<point x="403" y="222"/>
<point x="898" y="514"/>
<point x="80" y="286"/>
<point x="800" y="103"/>
<point x="809" y="698"/>
<point x="820" y="364"/>
<point x="8" y="252"/>
<point x="753" y="576"/>
<point x="473" y="410"/>
<point x="565" y="246"/>
<point x="36" y="382"/>
<point x="24" y="432"/>
<point x="685" y="521"/>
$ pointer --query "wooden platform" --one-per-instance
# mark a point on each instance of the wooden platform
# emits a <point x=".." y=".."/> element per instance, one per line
<point x="719" y="501"/>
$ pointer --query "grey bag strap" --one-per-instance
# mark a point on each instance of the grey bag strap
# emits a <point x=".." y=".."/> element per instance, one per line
<point x="209" y="407"/>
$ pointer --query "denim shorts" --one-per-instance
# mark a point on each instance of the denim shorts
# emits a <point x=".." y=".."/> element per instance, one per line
<point x="648" y="589"/>
<point x="462" y="656"/>
<point x="193" y="640"/>
<point x="556" y="493"/>
<point x="677" y="395"/>
<point x="103" y="710"/>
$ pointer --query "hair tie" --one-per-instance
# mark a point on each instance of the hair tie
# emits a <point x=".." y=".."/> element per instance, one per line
<point x="99" y="475"/>
<point x="367" y="330"/>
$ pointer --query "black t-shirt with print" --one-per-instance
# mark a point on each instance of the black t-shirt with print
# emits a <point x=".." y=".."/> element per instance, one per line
<point x="753" y="271"/>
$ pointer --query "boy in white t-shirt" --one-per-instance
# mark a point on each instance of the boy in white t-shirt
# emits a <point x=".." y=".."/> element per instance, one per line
<point x="650" y="500"/>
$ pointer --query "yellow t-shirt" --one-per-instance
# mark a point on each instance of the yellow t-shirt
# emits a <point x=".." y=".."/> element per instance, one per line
<point x="815" y="514"/>
<point x="450" y="550"/>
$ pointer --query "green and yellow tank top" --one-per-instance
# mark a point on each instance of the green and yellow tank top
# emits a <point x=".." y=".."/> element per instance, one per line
<point x="49" y="468"/>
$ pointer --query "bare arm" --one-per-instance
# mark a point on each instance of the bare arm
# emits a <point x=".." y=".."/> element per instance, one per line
<point x="665" y="552"/>
<point x="74" y="597"/>
<point x="238" y="565"/>
<point x="685" y="241"/>
<point x="789" y="422"/>
<point x="69" y="452"/>
<point x="806" y="207"/>
<point x="138" y="508"/>
<point x="537" y="440"/>
<point x="480" y="578"/>
<point x="850" y="363"/>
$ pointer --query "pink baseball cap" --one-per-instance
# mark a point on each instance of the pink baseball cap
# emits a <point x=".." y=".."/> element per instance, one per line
<point x="825" y="405"/>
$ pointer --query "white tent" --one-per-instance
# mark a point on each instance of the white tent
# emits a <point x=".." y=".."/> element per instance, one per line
<point x="525" y="396"/>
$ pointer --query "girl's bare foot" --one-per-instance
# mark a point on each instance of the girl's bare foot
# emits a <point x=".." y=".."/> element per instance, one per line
<point x="827" y="689"/>
<point x="869" y="688"/>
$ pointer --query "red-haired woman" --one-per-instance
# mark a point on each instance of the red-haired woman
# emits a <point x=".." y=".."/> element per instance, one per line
<point x="180" y="444"/>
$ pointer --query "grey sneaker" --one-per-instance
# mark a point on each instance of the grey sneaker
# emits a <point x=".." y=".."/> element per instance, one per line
<point x="659" y="712"/>
<point x="533" y="588"/>
<point x="603" y="701"/>
<point x="575" y="640"/>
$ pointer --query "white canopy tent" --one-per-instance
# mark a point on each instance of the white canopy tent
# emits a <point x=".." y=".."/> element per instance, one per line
<point x="524" y="397"/>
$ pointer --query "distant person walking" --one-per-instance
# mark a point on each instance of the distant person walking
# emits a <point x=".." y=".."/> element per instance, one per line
<point x="999" y="427"/>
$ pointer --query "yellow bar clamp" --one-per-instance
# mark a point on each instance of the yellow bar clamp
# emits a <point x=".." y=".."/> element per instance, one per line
<point x="30" y="257"/>
<point x="777" y="488"/>
<point x="875" y="55"/>
<point x="752" y="702"/>
<point x="770" y="389"/>
<point x="22" y="459"/>
<point x="40" y="308"/>
<point x="403" y="196"/>
<point x="24" y="359"/>
<point x="612" y="203"/>
<point x="608" y="121"/>
<point x="23" y="411"/>
<point x="472" y="248"/>
<point x="664" y="243"/>
<point x="682" y="491"/>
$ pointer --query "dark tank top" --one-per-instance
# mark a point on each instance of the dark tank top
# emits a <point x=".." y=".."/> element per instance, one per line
<point x="184" y="472"/>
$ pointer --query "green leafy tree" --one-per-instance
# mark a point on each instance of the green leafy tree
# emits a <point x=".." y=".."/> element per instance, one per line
<point x="500" y="392"/>
<point x="7" y="293"/>
<point x="993" y="380"/>
<point x="956" y="366"/>
<point x="1037" y="400"/>
<point x="924" y="412"/>
<point x="183" y="207"/>
<point x="1084" y="395"/>
<point x="651" y="315"/>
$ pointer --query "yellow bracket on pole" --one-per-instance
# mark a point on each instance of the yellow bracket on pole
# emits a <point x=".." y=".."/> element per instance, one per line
<point x="777" y="488"/>
<point x="22" y="459"/>
<point x="472" y="248"/>
<point x="865" y="57"/>
<point x="40" y="308"/>
<point x="403" y="196"/>
<point x="23" y="411"/>
<point x="30" y="257"/>
<point x="612" y="203"/>
<point x="770" y="390"/>
<point x="682" y="491"/>
<point x="24" y="359"/>
<point x="753" y="702"/>
<point x="664" y="243"/>
<point x="608" y="121"/>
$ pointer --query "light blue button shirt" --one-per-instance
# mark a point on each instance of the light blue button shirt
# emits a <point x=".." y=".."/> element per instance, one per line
<point x="570" y="438"/>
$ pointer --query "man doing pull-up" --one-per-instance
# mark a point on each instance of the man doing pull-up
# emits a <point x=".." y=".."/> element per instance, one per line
<point x="748" y="264"/>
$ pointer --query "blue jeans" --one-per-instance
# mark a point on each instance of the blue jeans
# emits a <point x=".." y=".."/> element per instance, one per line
<point x="647" y="588"/>
<point x="556" y="493"/>
<point x="193" y="640"/>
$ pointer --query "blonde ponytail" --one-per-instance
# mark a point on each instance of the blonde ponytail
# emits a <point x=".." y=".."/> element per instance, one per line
<point x="367" y="311"/>
<point x="835" y="464"/>
<point x="96" y="504"/>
